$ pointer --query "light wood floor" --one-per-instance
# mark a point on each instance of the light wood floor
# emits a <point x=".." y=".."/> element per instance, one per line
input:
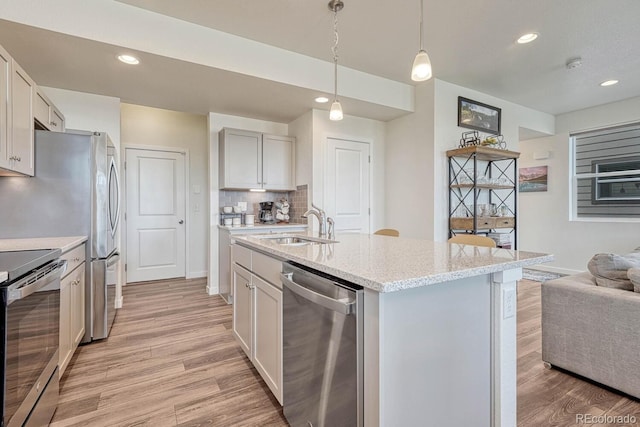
<point x="171" y="360"/>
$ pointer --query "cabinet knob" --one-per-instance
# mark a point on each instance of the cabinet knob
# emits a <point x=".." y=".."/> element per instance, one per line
<point x="76" y="259"/>
<point x="18" y="159"/>
<point x="53" y="124"/>
<point x="181" y="222"/>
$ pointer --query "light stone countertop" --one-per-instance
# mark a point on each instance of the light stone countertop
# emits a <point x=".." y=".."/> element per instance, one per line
<point x="388" y="264"/>
<point x="3" y="276"/>
<point x="62" y="243"/>
<point x="262" y="228"/>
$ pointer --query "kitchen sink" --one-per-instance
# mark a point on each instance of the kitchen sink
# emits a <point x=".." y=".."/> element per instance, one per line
<point x="296" y="240"/>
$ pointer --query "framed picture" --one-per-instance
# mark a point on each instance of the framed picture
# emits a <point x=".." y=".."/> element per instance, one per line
<point x="478" y="116"/>
<point x="532" y="179"/>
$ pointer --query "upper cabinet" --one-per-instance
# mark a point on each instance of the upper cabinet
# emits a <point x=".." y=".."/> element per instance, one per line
<point x="20" y="141"/>
<point x="46" y="114"/>
<point x="21" y="103"/>
<point x="252" y="160"/>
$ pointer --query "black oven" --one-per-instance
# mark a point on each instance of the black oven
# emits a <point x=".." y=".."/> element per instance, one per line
<point x="30" y="339"/>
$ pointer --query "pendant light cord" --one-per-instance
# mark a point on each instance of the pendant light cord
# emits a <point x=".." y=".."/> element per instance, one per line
<point x="421" y="23"/>
<point x="334" y="50"/>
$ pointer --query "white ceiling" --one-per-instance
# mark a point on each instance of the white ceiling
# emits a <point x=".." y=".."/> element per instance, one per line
<point x="471" y="43"/>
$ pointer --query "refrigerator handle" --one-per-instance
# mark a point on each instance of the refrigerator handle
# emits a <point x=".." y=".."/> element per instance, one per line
<point x="114" y="223"/>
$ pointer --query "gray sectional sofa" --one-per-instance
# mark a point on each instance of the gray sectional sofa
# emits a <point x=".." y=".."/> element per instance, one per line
<point x="593" y="331"/>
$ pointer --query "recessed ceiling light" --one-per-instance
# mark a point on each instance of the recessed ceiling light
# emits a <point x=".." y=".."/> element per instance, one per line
<point x="322" y="99"/>
<point x="609" y="83"/>
<point x="128" y="59"/>
<point x="527" y="38"/>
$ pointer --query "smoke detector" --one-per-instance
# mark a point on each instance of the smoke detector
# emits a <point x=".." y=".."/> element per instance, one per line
<point x="574" y="63"/>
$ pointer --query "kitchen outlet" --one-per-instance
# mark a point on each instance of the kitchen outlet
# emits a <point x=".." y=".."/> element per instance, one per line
<point x="509" y="301"/>
<point x="196" y="189"/>
<point x="196" y="208"/>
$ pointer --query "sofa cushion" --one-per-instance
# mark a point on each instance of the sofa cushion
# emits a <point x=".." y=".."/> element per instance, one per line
<point x="610" y="270"/>
<point x="634" y="276"/>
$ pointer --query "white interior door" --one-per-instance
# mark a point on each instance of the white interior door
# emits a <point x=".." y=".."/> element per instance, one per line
<point x="156" y="237"/>
<point x="347" y="185"/>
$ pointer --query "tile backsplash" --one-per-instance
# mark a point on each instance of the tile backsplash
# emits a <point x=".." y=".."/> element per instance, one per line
<point x="297" y="201"/>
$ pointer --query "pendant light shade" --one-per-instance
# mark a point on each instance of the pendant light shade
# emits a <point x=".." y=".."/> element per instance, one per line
<point x="421" y="70"/>
<point x="336" y="111"/>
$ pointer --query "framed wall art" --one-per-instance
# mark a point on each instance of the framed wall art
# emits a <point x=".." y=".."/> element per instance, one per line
<point x="478" y="116"/>
<point x="532" y="179"/>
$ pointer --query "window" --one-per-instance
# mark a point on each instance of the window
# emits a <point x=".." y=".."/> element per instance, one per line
<point x="606" y="180"/>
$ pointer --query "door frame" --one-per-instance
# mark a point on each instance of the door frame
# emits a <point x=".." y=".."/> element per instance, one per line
<point x="325" y="160"/>
<point x="187" y="242"/>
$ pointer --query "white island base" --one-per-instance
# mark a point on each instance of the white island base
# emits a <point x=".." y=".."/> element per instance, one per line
<point x="442" y="354"/>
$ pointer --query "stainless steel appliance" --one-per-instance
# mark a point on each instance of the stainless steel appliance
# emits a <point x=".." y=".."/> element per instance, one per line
<point x="30" y="322"/>
<point x="322" y="349"/>
<point x="266" y="212"/>
<point x="75" y="192"/>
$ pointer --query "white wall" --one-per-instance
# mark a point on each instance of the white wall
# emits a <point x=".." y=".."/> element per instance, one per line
<point x="417" y="164"/>
<point x="354" y="129"/>
<point x="215" y="125"/>
<point x="86" y="111"/>
<point x="545" y="225"/>
<point x="409" y="168"/>
<point x="148" y="126"/>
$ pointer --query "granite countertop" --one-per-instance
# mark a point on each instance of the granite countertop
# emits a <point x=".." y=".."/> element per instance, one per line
<point x="63" y="243"/>
<point x="260" y="226"/>
<point x="388" y="264"/>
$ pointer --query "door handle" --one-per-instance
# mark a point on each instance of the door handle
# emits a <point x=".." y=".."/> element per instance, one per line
<point x="181" y="222"/>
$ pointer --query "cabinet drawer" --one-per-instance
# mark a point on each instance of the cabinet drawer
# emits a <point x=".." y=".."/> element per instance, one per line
<point x="74" y="258"/>
<point x="241" y="256"/>
<point x="267" y="267"/>
<point x="505" y="222"/>
<point x="467" y="223"/>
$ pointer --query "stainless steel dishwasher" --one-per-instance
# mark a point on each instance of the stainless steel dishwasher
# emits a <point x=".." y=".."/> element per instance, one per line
<point x="322" y="349"/>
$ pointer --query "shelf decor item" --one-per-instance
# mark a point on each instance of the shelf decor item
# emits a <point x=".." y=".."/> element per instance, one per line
<point x="479" y="116"/>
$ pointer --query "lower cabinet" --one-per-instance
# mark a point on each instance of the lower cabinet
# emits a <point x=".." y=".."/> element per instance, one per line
<point x="257" y="324"/>
<point x="72" y="306"/>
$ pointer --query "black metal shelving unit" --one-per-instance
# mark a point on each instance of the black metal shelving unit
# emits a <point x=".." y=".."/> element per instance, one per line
<point x="500" y="170"/>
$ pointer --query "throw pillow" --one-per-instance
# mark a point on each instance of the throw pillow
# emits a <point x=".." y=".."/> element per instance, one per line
<point x="634" y="276"/>
<point x="610" y="270"/>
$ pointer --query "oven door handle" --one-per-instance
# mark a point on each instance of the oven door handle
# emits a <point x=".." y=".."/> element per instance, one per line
<point x="47" y="275"/>
<point x="316" y="298"/>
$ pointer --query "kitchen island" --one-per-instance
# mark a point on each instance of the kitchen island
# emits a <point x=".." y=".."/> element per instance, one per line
<point x="439" y="324"/>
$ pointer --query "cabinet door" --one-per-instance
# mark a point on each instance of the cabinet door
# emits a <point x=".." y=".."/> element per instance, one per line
<point x="268" y="334"/>
<point x="57" y="120"/>
<point x="41" y="107"/>
<point x="21" y="141"/>
<point x="5" y="78"/>
<point x="240" y="159"/>
<point x="77" y="306"/>
<point x="65" y="323"/>
<point x="278" y="162"/>
<point x="242" y="308"/>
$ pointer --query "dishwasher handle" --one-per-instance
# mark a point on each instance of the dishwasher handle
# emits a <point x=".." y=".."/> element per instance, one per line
<point x="317" y="298"/>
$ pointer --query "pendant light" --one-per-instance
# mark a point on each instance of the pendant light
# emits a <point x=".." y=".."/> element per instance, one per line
<point x="421" y="70"/>
<point x="336" y="108"/>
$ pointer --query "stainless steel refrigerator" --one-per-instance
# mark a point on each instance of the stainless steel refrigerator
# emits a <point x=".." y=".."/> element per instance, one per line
<point x="75" y="192"/>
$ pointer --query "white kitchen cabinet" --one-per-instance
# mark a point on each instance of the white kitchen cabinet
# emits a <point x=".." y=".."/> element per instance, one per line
<point x="243" y="309"/>
<point x="229" y="253"/>
<point x="255" y="160"/>
<point x="257" y="317"/>
<point x="267" y="351"/>
<point x="20" y="141"/>
<point x="47" y="115"/>
<point x="72" y="305"/>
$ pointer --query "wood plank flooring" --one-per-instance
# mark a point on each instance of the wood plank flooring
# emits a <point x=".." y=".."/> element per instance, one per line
<point x="171" y="360"/>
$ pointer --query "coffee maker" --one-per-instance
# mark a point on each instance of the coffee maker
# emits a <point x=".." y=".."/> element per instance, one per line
<point x="266" y="212"/>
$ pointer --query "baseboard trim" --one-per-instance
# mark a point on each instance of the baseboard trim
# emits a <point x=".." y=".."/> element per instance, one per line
<point x="212" y="290"/>
<point x="196" y="274"/>
<point x="119" y="302"/>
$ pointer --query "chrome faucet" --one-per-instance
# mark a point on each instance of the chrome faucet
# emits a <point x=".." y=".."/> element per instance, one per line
<point x="322" y="219"/>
